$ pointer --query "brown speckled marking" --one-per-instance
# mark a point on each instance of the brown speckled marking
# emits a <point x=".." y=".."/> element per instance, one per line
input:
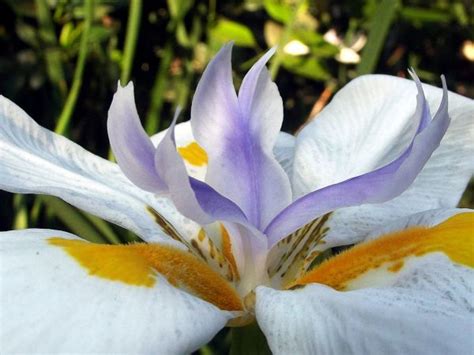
<point x="165" y="226"/>
<point x="304" y="239"/>
<point x="195" y="245"/>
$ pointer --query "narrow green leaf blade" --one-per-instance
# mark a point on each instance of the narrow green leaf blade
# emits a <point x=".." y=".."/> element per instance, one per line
<point x="379" y="27"/>
<point x="73" y="219"/>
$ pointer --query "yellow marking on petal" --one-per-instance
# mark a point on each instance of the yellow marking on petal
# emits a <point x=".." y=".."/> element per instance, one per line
<point x="201" y="235"/>
<point x="194" y="154"/>
<point x="137" y="265"/>
<point x="227" y="250"/>
<point x="454" y="238"/>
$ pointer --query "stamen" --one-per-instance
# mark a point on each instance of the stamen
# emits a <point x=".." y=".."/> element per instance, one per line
<point x="201" y="246"/>
<point x="386" y="256"/>
<point x="296" y="251"/>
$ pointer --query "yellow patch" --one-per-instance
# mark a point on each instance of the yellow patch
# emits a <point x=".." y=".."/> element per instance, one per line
<point x="193" y="154"/>
<point x="137" y="264"/>
<point x="454" y="238"/>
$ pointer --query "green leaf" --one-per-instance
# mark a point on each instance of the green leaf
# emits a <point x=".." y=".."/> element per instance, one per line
<point x="378" y="31"/>
<point x="20" y="220"/>
<point x="72" y="219"/>
<point x="179" y="8"/>
<point x="278" y="11"/>
<point x="308" y="67"/>
<point x="227" y="30"/>
<point x="27" y="34"/>
<point x="65" y="37"/>
<point x="419" y="15"/>
<point x="460" y="14"/>
<point x="99" y="34"/>
<point x="104" y="228"/>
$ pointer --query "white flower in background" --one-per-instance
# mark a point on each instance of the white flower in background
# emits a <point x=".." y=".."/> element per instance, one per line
<point x="236" y="216"/>
<point x="467" y="49"/>
<point x="348" y="53"/>
<point x="296" y="48"/>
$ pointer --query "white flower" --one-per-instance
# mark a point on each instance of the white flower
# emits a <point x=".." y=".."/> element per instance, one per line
<point x="260" y="207"/>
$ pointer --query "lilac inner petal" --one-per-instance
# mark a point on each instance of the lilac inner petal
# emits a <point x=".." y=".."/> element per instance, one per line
<point x="262" y="109"/>
<point x="193" y="198"/>
<point x="238" y="134"/>
<point x="162" y="170"/>
<point x="376" y="186"/>
<point x="132" y="147"/>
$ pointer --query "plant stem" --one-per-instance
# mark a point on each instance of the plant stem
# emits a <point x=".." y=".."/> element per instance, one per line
<point x="379" y="26"/>
<point x="68" y="109"/>
<point x="157" y="92"/>
<point x="277" y="59"/>
<point x="131" y="36"/>
<point x="20" y="220"/>
<point x="52" y="56"/>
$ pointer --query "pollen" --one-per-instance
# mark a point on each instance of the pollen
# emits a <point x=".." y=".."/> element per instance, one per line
<point x="138" y="265"/>
<point x="388" y="254"/>
<point x="194" y="154"/>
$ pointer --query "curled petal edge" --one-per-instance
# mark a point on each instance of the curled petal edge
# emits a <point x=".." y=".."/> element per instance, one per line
<point x="377" y="186"/>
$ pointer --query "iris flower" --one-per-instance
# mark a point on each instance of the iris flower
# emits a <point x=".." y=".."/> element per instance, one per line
<point x="240" y="221"/>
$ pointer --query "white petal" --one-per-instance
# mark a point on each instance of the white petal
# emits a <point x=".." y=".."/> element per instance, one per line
<point x="368" y="124"/>
<point x="284" y="151"/>
<point x="50" y="304"/>
<point x="35" y="160"/>
<point x="426" y="219"/>
<point x="348" y="55"/>
<point x="427" y="310"/>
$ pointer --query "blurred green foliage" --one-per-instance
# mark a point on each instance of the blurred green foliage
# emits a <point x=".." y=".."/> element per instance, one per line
<point x="61" y="60"/>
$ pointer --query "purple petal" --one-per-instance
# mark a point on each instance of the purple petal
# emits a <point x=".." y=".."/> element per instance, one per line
<point x="132" y="147"/>
<point x="193" y="198"/>
<point x="422" y="108"/>
<point x="238" y="134"/>
<point x="162" y="170"/>
<point x="377" y="186"/>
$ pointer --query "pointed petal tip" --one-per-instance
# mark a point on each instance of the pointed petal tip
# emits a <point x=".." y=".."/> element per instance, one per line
<point x="178" y="111"/>
<point x="271" y="51"/>
<point x="443" y="82"/>
<point x="226" y="49"/>
<point x="415" y="77"/>
<point x="128" y="86"/>
<point x="268" y="54"/>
